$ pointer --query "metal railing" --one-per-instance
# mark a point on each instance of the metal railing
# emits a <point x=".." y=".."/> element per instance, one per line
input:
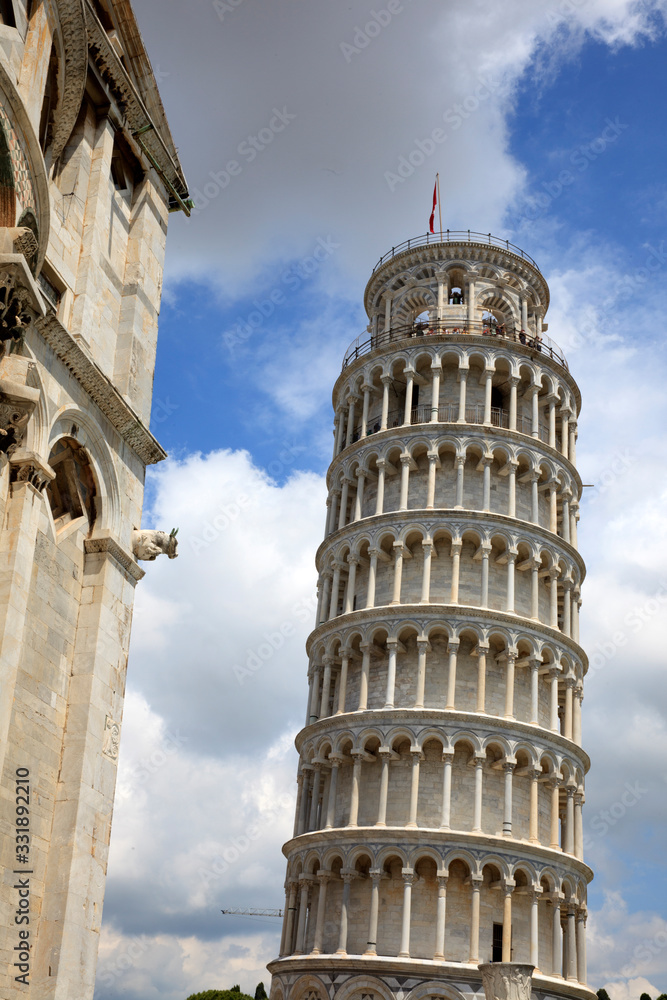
<point x="456" y="236"/>
<point x="542" y="344"/>
<point x="449" y="414"/>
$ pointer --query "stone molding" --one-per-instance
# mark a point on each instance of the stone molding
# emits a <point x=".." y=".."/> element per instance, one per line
<point x="107" y="544"/>
<point x="101" y="390"/>
<point x="399" y="969"/>
<point x="137" y="117"/>
<point x="473" y="432"/>
<point x="423" y="718"/>
<point x="73" y="29"/>
<point x="435" y="518"/>
<point x="425" y="614"/>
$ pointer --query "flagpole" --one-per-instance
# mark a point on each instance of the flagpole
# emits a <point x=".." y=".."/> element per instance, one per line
<point x="437" y="178"/>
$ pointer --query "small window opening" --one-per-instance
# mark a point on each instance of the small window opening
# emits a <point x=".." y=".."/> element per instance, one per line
<point x="72" y="493"/>
<point x="497" y="951"/>
<point x="456" y="298"/>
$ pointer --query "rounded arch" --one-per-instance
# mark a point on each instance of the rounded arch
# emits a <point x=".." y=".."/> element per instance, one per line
<point x="309" y="986"/>
<point x="436" y="989"/>
<point x="363" y="984"/>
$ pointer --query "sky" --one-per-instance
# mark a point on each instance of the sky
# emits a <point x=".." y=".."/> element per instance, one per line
<point x="294" y="127"/>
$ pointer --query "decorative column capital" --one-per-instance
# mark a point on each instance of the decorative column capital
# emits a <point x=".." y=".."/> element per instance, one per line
<point x="324" y="875"/>
<point x="409" y="876"/>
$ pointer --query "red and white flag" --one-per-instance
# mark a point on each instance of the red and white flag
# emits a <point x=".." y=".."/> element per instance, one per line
<point x="435" y="202"/>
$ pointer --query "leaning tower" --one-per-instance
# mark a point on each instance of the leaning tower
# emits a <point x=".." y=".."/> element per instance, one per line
<point x="441" y="775"/>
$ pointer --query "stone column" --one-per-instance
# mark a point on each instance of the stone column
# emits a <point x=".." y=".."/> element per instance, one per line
<point x="535" y="431"/>
<point x="535" y="893"/>
<point x="289" y="918"/>
<point x="440" y="917"/>
<point x="552" y="421"/>
<point x="488" y="386"/>
<point x="364" y="417"/>
<point x="342" y="685"/>
<point x="534" y="499"/>
<point x="376" y="875"/>
<point x="486" y="552"/>
<point x="333" y="513"/>
<point x="409" y="878"/>
<point x="463" y="382"/>
<point x="556" y="943"/>
<point x="553" y="596"/>
<point x="533" y="828"/>
<point x="407" y="414"/>
<point x="509" y="684"/>
<point x="445" y="822"/>
<point x="511" y="504"/>
<point x="382" y="471"/>
<point x="299" y="798"/>
<point x="347" y="877"/>
<point x="372" y="577"/>
<point x="392" y="649"/>
<point x="513" y="381"/>
<point x="304" y="894"/>
<point x="455" y="553"/>
<point x="427" y="547"/>
<point x="481" y="677"/>
<point x="433" y="465"/>
<point x="553" y="508"/>
<point x="326" y="596"/>
<point x="571" y="943"/>
<point x="352" y="562"/>
<point x="535" y="590"/>
<point x="508" y="768"/>
<point x="326" y="686"/>
<point x="363" y="680"/>
<point x="335" y="589"/>
<point x="569" y="819"/>
<point x="315" y="796"/>
<point x="386" y="754"/>
<point x="476" y="884"/>
<point x="554" y="674"/>
<point x="554" y="785"/>
<point x="451" y="674"/>
<point x="350" y="421"/>
<point x="535" y="665"/>
<point x="507" y="920"/>
<point x="315" y="701"/>
<point x="342" y="516"/>
<point x="460" y="471"/>
<point x="303" y="805"/>
<point x="323" y="877"/>
<point x="359" y="499"/>
<point x="417" y="755"/>
<point x="358" y="757"/>
<point x="578" y="826"/>
<point x="511" y="563"/>
<point x="400" y="552"/>
<point x="581" y="946"/>
<point x="423" y="646"/>
<point x="567" y="607"/>
<point x="335" y="762"/>
<point x="564" y="431"/>
<point x="486" y="489"/>
<point x="570" y="683"/>
<point x="386" y="382"/>
<point x="435" y="393"/>
<point x="406" y="461"/>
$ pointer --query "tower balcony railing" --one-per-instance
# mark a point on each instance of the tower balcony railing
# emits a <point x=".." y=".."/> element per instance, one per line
<point x="449" y="414"/>
<point x="540" y="344"/>
<point x="455" y="236"/>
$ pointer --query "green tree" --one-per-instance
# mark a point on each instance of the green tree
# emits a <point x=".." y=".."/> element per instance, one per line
<point x="644" y="996"/>
<point x="260" y="992"/>
<point x="233" y="994"/>
<point x="602" y="995"/>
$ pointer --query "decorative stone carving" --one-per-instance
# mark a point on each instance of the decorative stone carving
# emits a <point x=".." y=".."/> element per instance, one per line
<point x="149" y="545"/>
<point x="111" y="738"/>
<point x="17" y="402"/>
<point x="507" y="980"/>
<point x="73" y="27"/>
<point x="28" y="467"/>
<point x="20" y="300"/>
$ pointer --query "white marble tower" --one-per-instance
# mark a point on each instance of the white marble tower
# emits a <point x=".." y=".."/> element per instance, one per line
<point x="441" y="774"/>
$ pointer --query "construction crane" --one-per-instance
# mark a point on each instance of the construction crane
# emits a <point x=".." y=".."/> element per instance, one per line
<point x="255" y="913"/>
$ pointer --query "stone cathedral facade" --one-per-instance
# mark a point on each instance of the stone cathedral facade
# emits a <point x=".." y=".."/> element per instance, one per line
<point x="88" y="176"/>
<point x="441" y="774"/>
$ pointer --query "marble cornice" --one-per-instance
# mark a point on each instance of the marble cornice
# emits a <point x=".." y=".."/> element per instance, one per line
<point x="511" y="729"/>
<point x="478" y="431"/>
<point x="463" y="613"/>
<point x="444" y="840"/>
<point x="441" y="516"/>
<point x="107" y="544"/>
<point x="100" y="389"/>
